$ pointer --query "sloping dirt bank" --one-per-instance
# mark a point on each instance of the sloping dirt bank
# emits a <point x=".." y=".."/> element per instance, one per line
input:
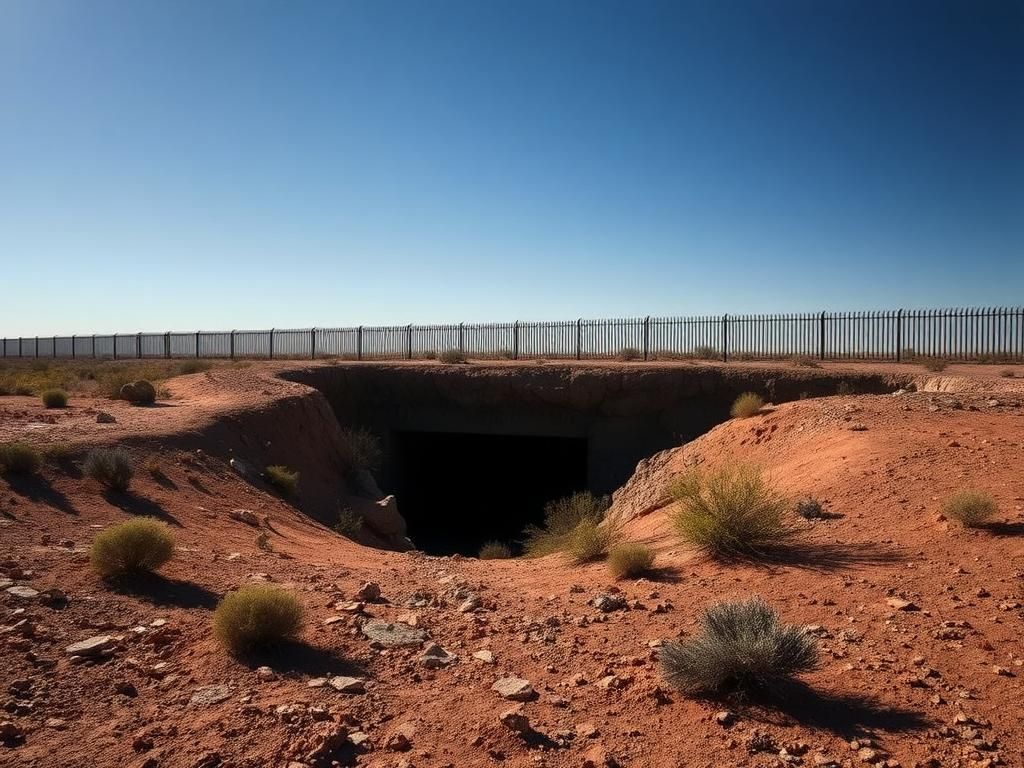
<point x="919" y="685"/>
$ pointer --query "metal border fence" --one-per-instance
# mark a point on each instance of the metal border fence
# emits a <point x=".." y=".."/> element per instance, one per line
<point x="993" y="333"/>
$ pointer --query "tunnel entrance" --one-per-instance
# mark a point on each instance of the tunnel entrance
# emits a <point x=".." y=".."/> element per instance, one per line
<point x="460" y="490"/>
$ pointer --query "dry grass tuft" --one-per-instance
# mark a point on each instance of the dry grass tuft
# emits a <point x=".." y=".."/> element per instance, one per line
<point x="19" y="458"/>
<point x="451" y="356"/>
<point x="591" y="540"/>
<point x="626" y="354"/>
<point x="255" y="616"/>
<point x="742" y="646"/>
<point x="110" y="467"/>
<point x="933" y="364"/>
<point x="131" y="547"/>
<point x="363" y="447"/>
<point x="285" y="480"/>
<point x="746" y="405"/>
<point x="630" y="560"/>
<point x="561" y="517"/>
<point x="971" y="509"/>
<point x="810" y="508"/>
<point x="55" y="398"/>
<point x="729" y="513"/>
<point x="495" y="550"/>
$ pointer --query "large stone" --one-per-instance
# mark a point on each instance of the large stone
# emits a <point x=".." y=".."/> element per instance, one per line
<point x="435" y="657"/>
<point x="344" y="684"/>
<point x="515" y="720"/>
<point x="93" y="646"/>
<point x="514" y="689"/>
<point x="23" y="592"/>
<point x="386" y="634"/>
<point x="246" y="516"/>
<point x="210" y="694"/>
<point x="139" y="393"/>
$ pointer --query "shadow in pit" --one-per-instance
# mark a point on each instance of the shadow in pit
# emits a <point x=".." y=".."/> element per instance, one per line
<point x="39" y="489"/>
<point x="1004" y="529"/>
<point x="848" y="716"/>
<point x="139" y="505"/>
<point x="299" y="658"/>
<point x="161" y="591"/>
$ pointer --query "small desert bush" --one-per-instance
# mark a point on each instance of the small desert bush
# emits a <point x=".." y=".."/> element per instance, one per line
<point x="970" y="508"/>
<point x="285" y="480"/>
<point x="934" y="364"/>
<point x="629" y="560"/>
<point x="451" y="356"/>
<point x="156" y="469"/>
<point x="805" y="361"/>
<point x="1007" y="373"/>
<point x="263" y="542"/>
<point x="193" y="366"/>
<point x="495" y="550"/>
<point x="728" y="513"/>
<point x="110" y="467"/>
<point x="705" y="352"/>
<point x="131" y="547"/>
<point x="363" y="447"/>
<point x="629" y="353"/>
<point x="590" y="540"/>
<point x="746" y="405"/>
<point x="741" y="647"/>
<point x="349" y="523"/>
<point x="19" y="459"/>
<point x="810" y="508"/>
<point x="55" y="453"/>
<point x="561" y="517"/>
<point x="257" y="615"/>
<point x="55" y="398"/>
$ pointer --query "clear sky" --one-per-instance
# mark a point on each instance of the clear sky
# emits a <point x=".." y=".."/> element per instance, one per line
<point x="216" y="164"/>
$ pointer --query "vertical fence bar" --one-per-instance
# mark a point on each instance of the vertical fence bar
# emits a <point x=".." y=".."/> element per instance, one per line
<point x="232" y="344"/>
<point x="515" y="340"/>
<point x="647" y="337"/>
<point x="725" y="338"/>
<point x="359" y="343"/>
<point x="271" y="344"/>
<point x="312" y="343"/>
<point x="821" y="336"/>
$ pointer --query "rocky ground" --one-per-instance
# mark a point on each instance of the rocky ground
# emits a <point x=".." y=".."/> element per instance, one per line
<point x="410" y="660"/>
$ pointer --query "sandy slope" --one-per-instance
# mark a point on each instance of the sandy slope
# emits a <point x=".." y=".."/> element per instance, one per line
<point x="899" y="678"/>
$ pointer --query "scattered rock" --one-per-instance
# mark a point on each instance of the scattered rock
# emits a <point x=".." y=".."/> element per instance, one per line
<point x="92" y="647"/>
<point x="471" y="604"/>
<point x="514" y="688"/>
<point x="139" y="393"/>
<point x="607" y="603"/>
<point x="487" y="657"/>
<point x="102" y="417"/>
<point x="344" y="684"/>
<point x="22" y="592"/>
<point x="401" y="738"/>
<point x="385" y="634"/>
<point x="246" y="516"/>
<point x="725" y="718"/>
<point x="435" y="657"/>
<point x="1002" y="671"/>
<point x="902" y="605"/>
<point x="210" y="694"/>
<point x="266" y="674"/>
<point x="369" y="592"/>
<point x="515" y="720"/>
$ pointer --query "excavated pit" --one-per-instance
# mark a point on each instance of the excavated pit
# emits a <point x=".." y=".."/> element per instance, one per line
<point x="472" y="452"/>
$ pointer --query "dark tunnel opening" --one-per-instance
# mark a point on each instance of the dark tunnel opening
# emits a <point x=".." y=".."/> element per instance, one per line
<point x="460" y="490"/>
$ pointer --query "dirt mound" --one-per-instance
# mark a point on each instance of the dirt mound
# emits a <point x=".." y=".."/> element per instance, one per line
<point x="918" y="620"/>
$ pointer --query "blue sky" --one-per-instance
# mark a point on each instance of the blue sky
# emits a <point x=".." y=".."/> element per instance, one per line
<point x="177" y="164"/>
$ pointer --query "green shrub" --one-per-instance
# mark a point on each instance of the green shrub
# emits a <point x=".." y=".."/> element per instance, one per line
<point x="131" y="547"/>
<point x="561" y="517"/>
<point x="110" y="467"/>
<point x="255" y="616"/>
<point x="810" y="508"/>
<point x="742" y="646"/>
<point x="193" y="366"/>
<point x="349" y="523"/>
<point x="19" y="459"/>
<point x="629" y="560"/>
<point x="495" y="550"/>
<point x="55" y="453"/>
<point x="451" y="356"/>
<point x="590" y="540"/>
<point x="364" y="448"/>
<point x="55" y="398"/>
<point x="970" y="508"/>
<point x="746" y="405"/>
<point x="285" y="480"/>
<point x="729" y="513"/>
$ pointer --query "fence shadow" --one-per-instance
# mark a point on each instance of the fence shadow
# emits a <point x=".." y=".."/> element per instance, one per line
<point x="162" y="591"/>
<point x="845" y="715"/>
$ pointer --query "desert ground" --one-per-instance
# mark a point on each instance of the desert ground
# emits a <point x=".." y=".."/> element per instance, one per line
<point x="918" y="619"/>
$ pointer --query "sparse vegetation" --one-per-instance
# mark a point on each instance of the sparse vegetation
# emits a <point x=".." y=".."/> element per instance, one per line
<point x="88" y="377"/>
<point x="933" y="364"/>
<point x="193" y="366"/>
<point x="810" y="508"/>
<point x="263" y="542"/>
<point x="746" y="405"/>
<point x="110" y="467"/>
<point x="285" y="480"/>
<point x="55" y="398"/>
<point x="741" y="647"/>
<point x="451" y="356"/>
<point x="131" y="547"/>
<point x="495" y="550"/>
<point x="349" y="523"/>
<point x="629" y="560"/>
<point x="590" y="540"/>
<point x="629" y="353"/>
<point x="730" y="512"/>
<point x="55" y="453"/>
<point x="805" y="361"/>
<point x="255" y="616"/>
<point x="1007" y="373"/>
<point x="705" y="352"/>
<point x="364" y="448"/>
<point x="156" y="469"/>
<point x="971" y="509"/>
<point x="561" y="517"/>
<point x="19" y="458"/>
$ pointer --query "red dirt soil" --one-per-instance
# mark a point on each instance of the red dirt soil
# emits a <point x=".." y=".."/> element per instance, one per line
<point x="937" y="686"/>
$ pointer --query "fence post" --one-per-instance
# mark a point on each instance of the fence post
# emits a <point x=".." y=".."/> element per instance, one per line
<point x="115" y="346"/>
<point x="72" y="347"/>
<point x="312" y="343"/>
<point x="579" y="338"/>
<point x="271" y="343"/>
<point x="725" y="338"/>
<point x="408" y="342"/>
<point x="462" y="348"/>
<point x="359" y="343"/>
<point x="138" y="345"/>
<point x="197" y="345"/>
<point x="899" y="335"/>
<point x="54" y="348"/>
<point x="232" y="343"/>
<point x="821" y="336"/>
<point x="515" y="340"/>
<point x="19" y="346"/>
<point x="94" y="346"/>
<point x="37" y="346"/>
<point x="167" y="345"/>
<point x="647" y="336"/>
